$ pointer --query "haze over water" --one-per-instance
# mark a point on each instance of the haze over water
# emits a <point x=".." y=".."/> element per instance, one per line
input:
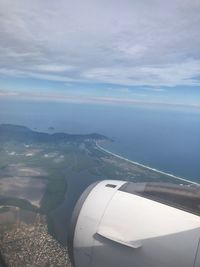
<point x="160" y="137"/>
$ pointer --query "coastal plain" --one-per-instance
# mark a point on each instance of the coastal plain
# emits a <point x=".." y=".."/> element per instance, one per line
<point x="42" y="175"/>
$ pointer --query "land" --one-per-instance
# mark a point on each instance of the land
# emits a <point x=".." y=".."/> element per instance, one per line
<point x="41" y="177"/>
<point x="51" y="128"/>
<point x="31" y="245"/>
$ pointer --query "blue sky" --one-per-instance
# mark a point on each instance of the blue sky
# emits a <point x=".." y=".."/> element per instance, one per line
<point x="132" y="50"/>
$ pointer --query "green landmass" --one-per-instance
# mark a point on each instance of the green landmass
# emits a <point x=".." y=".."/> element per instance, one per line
<point x="51" y="153"/>
<point x="37" y="168"/>
<point x="42" y="164"/>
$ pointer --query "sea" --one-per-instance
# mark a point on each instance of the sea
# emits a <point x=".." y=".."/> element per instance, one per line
<point x="163" y="137"/>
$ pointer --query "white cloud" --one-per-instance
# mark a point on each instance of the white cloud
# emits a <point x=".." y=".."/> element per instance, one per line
<point x="163" y="75"/>
<point x="52" y="68"/>
<point x="155" y="89"/>
<point x="8" y="93"/>
<point x="126" y="42"/>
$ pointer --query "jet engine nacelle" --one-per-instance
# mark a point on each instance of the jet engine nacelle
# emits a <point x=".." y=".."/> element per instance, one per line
<point x="123" y="224"/>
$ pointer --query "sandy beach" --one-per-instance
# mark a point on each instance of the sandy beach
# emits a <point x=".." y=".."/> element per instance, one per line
<point x="144" y="166"/>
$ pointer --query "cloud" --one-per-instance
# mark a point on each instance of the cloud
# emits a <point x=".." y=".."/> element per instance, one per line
<point x="155" y="89"/>
<point x="8" y="93"/>
<point x="123" y="42"/>
<point x="96" y="100"/>
<point x="185" y="73"/>
<point x="52" y="68"/>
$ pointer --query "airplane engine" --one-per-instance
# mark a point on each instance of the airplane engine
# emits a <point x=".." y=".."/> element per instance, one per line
<point x="125" y="224"/>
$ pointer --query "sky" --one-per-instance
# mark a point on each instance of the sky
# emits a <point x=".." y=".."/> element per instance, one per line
<point x="101" y="50"/>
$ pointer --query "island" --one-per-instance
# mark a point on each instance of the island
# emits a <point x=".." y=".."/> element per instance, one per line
<point x="41" y="177"/>
<point x="51" y="128"/>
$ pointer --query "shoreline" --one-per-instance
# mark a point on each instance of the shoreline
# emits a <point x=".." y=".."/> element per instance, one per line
<point x="144" y="166"/>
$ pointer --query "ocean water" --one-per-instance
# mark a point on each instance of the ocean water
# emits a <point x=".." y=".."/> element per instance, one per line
<point x="165" y="138"/>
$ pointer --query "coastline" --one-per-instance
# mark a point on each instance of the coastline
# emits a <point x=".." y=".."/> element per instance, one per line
<point x="144" y="166"/>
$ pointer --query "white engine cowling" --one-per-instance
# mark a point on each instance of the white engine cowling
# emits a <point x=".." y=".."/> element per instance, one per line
<point x="123" y="224"/>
